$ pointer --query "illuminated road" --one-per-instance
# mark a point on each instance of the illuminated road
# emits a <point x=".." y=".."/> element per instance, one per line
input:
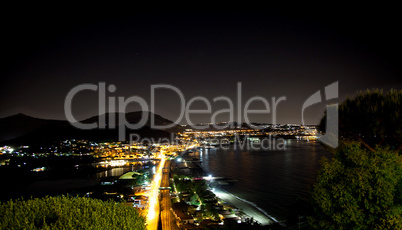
<point x="167" y="218"/>
<point x="153" y="212"/>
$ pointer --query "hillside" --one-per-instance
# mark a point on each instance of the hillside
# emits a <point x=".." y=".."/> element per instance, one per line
<point x="22" y="129"/>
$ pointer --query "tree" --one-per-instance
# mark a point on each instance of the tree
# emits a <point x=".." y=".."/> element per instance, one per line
<point x="372" y="118"/>
<point x="194" y="199"/>
<point x="359" y="189"/>
<point x="68" y="213"/>
<point x="211" y="212"/>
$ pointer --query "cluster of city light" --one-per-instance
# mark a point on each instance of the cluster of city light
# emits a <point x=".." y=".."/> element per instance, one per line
<point x="6" y="149"/>
<point x="114" y="163"/>
<point x="153" y="195"/>
<point x="41" y="169"/>
<point x="192" y="146"/>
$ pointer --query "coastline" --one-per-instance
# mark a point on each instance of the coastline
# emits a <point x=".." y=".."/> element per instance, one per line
<point x="248" y="208"/>
<point x="245" y="206"/>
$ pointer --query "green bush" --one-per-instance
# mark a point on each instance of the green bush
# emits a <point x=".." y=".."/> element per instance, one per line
<point x="68" y="213"/>
<point x="359" y="189"/>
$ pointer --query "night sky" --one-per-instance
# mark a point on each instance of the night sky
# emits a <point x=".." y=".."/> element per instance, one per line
<point x="202" y="53"/>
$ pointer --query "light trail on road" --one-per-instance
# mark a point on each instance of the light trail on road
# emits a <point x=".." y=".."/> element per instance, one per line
<point x="153" y="208"/>
<point x="166" y="215"/>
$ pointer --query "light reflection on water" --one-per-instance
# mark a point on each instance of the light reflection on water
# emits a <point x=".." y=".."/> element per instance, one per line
<point x="61" y="185"/>
<point x="113" y="172"/>
<point x="118" y="171"/>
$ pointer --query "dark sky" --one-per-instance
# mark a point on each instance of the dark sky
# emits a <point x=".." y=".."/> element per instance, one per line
<point x="202" y="53"/>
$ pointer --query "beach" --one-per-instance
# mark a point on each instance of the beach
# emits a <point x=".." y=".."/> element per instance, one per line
<point x="247" y="207"/>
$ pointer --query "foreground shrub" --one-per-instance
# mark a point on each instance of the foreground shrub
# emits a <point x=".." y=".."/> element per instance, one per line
<point x="68" y="213"/>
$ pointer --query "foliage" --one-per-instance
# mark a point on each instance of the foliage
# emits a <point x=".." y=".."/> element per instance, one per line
<point x="199" y="192"/>
<point x="372" y="117"/>
<point x="194" y="199"/>
<point x="182" y="184"/>
<point x="68" y="213"/>
<point x="358" y="189"/>
<point x="211" y="213"/>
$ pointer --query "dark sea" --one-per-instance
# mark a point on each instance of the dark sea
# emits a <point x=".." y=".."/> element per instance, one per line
<point x="270" y="179"/>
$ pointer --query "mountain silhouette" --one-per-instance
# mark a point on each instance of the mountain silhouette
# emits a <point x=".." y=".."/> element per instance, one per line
<point x="22" y="129"/>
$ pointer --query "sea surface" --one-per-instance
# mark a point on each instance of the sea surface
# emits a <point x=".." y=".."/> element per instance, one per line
<point x="62" y="185"/>
<point x="270" y="179"/>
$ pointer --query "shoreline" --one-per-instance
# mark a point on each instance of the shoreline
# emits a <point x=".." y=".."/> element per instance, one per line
<point x="249" y="208"/>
